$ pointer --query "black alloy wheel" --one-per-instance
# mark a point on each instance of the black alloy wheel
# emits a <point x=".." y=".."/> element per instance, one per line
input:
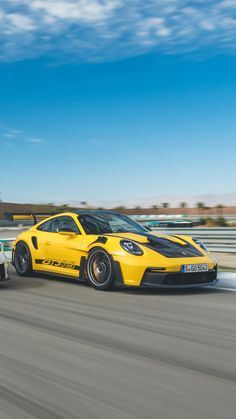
<point x="100" y="271"/>
<point x="22" y="259"/>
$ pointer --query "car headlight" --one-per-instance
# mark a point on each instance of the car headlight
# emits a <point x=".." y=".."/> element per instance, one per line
<point x="200" y="244"/>
<point x="131" y="247"/>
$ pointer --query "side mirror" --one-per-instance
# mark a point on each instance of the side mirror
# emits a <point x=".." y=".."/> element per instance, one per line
<point x="67" y="233"/>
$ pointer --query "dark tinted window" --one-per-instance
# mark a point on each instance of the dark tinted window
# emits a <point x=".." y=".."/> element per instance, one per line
<point x="64" y="224"/>
<point x="60" y="224"/>
<point x="45" y="226"/>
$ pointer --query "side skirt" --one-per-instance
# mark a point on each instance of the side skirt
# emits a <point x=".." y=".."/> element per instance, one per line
<point x="76" y="278"/>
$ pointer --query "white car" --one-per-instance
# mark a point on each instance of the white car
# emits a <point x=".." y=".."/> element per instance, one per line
<point x="4" y="265"/>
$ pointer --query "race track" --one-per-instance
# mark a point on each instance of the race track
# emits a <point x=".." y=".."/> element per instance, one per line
<point x="70" y="352"/>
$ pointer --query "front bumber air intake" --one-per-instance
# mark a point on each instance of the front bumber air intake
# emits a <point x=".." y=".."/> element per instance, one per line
<point x="178" y="279"/>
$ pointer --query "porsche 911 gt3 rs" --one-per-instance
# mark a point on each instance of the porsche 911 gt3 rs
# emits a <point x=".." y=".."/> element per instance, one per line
<point x="105" y="249"/>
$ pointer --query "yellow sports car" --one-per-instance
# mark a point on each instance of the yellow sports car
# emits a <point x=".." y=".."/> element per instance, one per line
<point x="105" y="249"/>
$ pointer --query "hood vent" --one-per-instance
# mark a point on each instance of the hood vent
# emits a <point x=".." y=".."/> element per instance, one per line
<point x="171" y="249"/>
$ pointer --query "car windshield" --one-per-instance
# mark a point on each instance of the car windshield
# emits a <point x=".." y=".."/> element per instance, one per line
<point x="109" y="223"/>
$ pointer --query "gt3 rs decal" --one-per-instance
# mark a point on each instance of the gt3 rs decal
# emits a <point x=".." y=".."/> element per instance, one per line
<point x="67" y="264"/>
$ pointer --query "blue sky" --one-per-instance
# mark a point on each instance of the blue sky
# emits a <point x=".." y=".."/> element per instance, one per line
<point x="109" y="100"/>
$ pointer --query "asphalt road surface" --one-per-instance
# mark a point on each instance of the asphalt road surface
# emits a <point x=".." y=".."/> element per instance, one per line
<point x="69" y="352"/>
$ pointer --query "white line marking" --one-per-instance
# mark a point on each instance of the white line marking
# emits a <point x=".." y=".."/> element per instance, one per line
<point x="226" y="289"/>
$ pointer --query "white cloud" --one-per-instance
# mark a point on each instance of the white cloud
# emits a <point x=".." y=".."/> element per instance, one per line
<point x="36" y="141"/>
<point x="12" y="135"/>
<point x="19" y="22"/>
<point x="109" y="29"/>
<point x="72" y="10"/>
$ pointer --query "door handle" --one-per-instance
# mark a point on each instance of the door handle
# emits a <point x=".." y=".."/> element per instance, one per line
<point x="48" y="243"/>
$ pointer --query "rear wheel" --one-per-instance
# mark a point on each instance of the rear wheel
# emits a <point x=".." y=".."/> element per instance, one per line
<point x="22" y="259"/>
<point x="100" y="271"/>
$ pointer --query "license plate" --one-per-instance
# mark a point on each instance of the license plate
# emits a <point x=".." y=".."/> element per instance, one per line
<point x="194" y="268"/>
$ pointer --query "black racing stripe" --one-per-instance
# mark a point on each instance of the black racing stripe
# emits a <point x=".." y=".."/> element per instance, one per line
<point x="174" y="250"/>
<point x="120" y="237"/>
<point x="127" y="238"/>
<point x="150" y="237"/>
<point x="100" y="239"/>
<point x="167" y="247"/>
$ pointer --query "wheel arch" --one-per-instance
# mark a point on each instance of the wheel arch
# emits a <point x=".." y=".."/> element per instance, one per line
<point x="14" y="254"/>
<point x="118" y="279"/>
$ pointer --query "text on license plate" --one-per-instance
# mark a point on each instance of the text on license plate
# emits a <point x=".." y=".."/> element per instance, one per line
<point x="194" y="268"/>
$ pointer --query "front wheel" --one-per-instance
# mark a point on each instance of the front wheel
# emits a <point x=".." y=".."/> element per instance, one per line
<point x="22" y="259"/>
<point x="100" y="271"/>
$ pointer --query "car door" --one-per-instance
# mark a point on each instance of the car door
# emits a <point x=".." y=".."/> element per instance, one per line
<point x="61" y="246"/>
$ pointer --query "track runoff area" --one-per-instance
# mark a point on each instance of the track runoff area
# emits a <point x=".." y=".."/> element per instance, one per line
<point x="68" y="351"/>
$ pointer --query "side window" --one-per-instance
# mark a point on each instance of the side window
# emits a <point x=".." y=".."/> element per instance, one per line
<point x="64" y="224"/>
<point x="45" y="226"/>
<point x="59" y="224"/>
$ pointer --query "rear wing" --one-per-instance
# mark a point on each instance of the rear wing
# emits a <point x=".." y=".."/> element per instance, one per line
<point x="25" y="216"/>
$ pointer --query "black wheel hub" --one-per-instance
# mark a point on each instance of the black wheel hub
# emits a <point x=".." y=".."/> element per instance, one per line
<point x="22" y="259"/>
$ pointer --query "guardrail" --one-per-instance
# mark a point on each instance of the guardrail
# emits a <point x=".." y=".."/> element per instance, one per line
<point x="216" y="239"/>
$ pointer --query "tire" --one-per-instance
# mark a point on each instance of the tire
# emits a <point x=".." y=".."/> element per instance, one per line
<point x="100" y="270"/>
<point x="2" y="272"/>
<point x="22" y="259"/>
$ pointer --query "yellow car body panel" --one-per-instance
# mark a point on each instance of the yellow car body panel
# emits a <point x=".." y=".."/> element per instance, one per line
<point x="62" y="254"/>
